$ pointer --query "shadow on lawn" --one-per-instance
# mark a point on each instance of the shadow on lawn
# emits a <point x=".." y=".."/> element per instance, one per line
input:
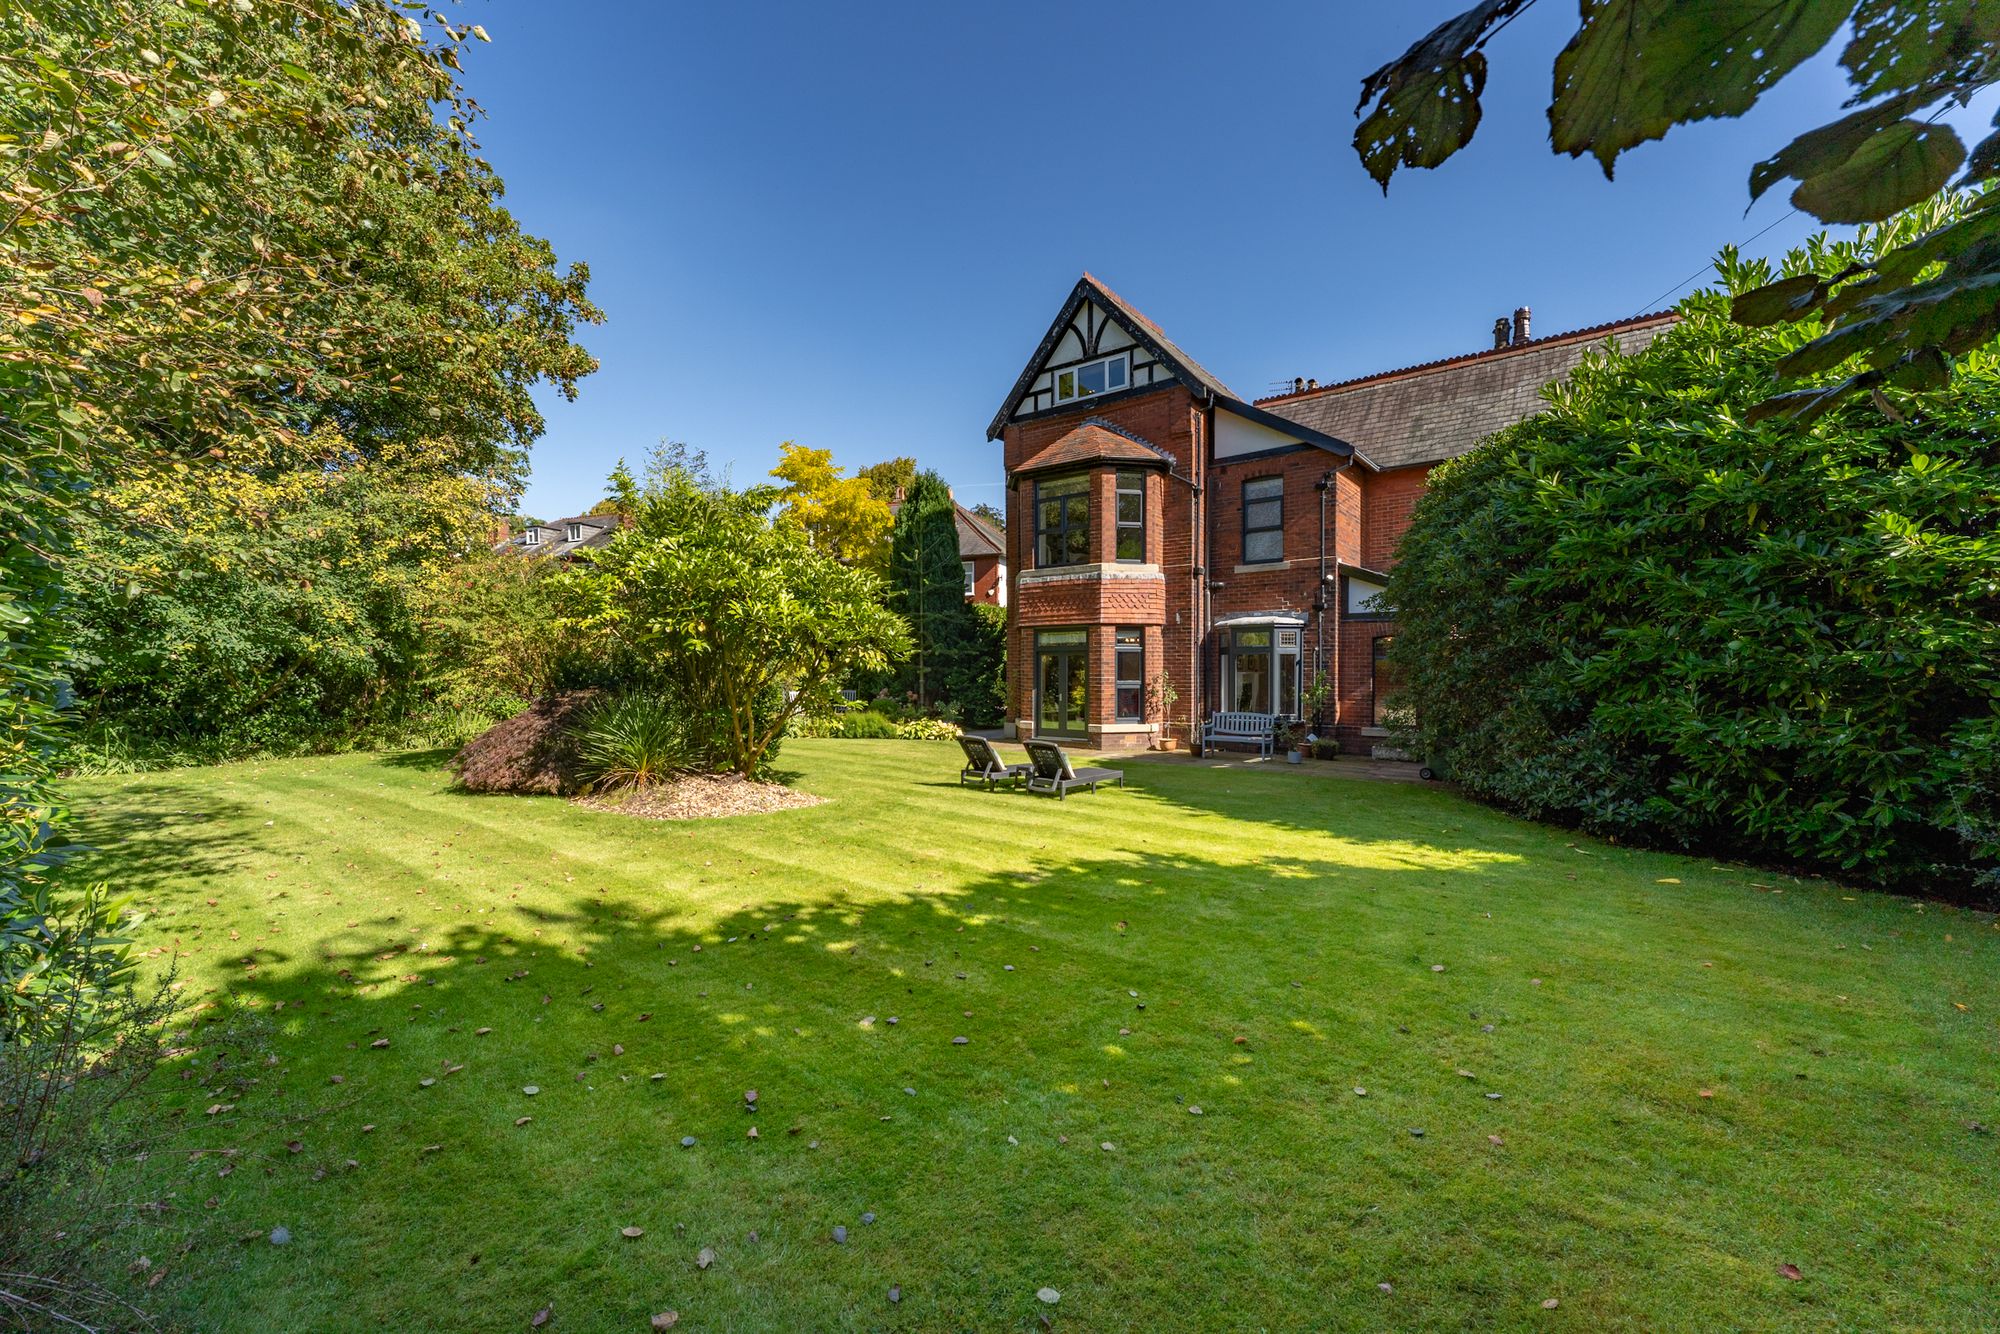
<point x="773" y="993"/>
<point x="158" y="830"/>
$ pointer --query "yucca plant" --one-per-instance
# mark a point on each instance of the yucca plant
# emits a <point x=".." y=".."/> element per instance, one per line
<point x="630" y="742"/>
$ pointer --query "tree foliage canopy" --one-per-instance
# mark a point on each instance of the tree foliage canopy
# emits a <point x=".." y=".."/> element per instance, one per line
<point x="842" y="515"/>
<point x="262" y="289"/>
<point x="1645" y="613"/>
<point x="1636" y="68"/>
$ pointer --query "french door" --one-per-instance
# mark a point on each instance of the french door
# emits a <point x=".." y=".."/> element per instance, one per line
<point x="1062" y="682"/>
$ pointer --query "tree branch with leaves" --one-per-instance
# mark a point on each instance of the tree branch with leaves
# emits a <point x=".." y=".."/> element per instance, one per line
<point x="1635" y="69"/>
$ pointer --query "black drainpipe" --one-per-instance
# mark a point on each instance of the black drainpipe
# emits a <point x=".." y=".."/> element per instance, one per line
<point x="1323" y="600"/>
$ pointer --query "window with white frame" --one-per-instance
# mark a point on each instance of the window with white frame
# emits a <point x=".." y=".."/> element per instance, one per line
<point x="1094" y="377"/>
<point x="575" y="533"/>
<point x="531" y="537"/>
<point x="968" y="576"/>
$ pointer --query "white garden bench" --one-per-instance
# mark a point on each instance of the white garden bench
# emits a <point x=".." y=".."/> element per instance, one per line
<point x="1252" y="729"/>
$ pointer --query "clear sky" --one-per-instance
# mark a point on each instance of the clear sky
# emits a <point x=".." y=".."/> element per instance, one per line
<point x="849" y="225"/>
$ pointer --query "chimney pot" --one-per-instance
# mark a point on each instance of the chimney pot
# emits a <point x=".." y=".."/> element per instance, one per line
<point x="1311" y="383"/>
<point x="1298" y="384"/>
<point x="1521" y="314"/>
<point x="1500" y="333"/>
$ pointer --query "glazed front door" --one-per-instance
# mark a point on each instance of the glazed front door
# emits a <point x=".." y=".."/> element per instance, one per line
<point x="1062" y="682"/>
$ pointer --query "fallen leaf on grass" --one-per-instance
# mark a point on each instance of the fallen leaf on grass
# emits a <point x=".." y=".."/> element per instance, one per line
<point x="631" y="1232"/>
<point x="666" y="1319"/>
<point x="541" y="1317"/>
<point x="1791" y="1272"/>
<point x="705" y="1257"/>
<point x="1552" y="1303"/>
<point x="1708" y="1093"/>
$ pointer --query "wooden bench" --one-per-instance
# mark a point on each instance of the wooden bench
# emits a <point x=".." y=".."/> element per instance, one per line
<point x="1248" y="729"/>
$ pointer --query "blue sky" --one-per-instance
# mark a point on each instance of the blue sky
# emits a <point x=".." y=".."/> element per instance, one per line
<point x="849" y="225"/>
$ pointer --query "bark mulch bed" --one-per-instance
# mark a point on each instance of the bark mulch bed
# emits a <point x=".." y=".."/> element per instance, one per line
<point x="701" y="797"/>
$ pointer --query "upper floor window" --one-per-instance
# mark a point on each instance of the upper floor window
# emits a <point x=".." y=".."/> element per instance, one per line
<point x="968" y="576"/>
<point x="1132" y="516"/>
<point x="1093" y="377"/>
<point x="1263" y="520"/>
<point x="531" y="537"/>
<point x="1062" y="521"/>
<point x="575" y="533"/>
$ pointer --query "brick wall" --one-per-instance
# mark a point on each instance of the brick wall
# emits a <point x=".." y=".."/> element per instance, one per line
<point x="1387" y="500"/>
<point x="1169" y="419"/>
<point x="985" y="579"/>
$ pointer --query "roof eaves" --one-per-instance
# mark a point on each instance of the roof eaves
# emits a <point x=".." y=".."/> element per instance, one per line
<point x="1484" y="356"/>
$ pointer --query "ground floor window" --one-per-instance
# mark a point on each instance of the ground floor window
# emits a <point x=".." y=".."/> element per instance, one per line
<point x="1131" y="675"/>
<point x="1260" y="670"/>
<point x="1383" y="681"/>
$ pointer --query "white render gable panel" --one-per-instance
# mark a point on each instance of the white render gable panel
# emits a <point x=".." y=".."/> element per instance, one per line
<point x="1091" y="336"/>
<point x="1236" y="436"/>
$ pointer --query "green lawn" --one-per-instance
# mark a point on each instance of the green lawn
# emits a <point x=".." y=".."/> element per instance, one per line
<point x="1261" y="944"/>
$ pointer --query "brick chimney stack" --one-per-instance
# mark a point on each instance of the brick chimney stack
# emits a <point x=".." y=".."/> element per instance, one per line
<point x="1500" y="332"/>
<point x="1521" y="314"/>
<point x="502" y="531"/>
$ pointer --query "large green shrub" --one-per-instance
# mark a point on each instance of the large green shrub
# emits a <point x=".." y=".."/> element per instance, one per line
<point x="866" y="725"/>
<point x="739" y="622"/>
<point x="1642" y="615"/>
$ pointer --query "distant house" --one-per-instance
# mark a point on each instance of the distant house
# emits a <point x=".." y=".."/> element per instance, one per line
<point x="982" y="552"/>
<point x="1161" y="526"/>
<point x="561" y="539"/>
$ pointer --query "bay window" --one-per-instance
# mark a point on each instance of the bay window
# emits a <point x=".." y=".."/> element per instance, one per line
<point x="1062" y="521"/>
<point x="1131" y="516"/>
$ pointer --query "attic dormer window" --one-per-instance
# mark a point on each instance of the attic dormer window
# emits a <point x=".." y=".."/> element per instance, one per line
<point x="531" y="537"/>
<point x="1093" y="377"/>
<point x="575" y="533"/>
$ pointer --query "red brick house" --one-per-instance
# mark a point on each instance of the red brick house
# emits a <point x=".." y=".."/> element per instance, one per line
<point x="982" y="550"/>
<point x="1162" y="530"/>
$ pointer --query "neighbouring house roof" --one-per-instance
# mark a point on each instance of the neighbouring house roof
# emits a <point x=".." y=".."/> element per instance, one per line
<point x="1095" y="441"/>
<point x="1441" y="409"/>
<point x="1143" y="330"/>
<point x="597" y="531"/>
<point x="976" y="537"/>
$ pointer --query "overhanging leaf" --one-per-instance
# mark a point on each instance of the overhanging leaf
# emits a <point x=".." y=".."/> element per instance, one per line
<point x="1427" y="100"/>
<point x="1898" y="45"/>
<point x="1637" y="68"/>
<point x="1891" y="169"/>
<point x="1819" y="151"/>
<point x="1778" y="302"/>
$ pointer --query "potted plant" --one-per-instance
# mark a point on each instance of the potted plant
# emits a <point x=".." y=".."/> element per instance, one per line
<point x="1160" y="698"/>
<point x="1296" y="735"/>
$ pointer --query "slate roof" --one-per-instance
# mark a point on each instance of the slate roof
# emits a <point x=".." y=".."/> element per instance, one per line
<point x="1441" y="409"/>
<point x="1095" y="441"/>
<point x="976" y="537"/>
<point x="598" y="530"/>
